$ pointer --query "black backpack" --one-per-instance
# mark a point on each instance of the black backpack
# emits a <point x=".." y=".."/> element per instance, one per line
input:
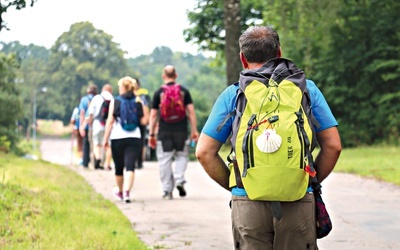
<point x="103" y="113"/>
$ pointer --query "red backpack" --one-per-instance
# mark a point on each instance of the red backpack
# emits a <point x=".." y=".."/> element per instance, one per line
<point x="172" y="107"/>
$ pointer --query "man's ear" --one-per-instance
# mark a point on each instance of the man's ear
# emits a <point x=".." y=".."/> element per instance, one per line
<point x="243" y="59"/>
<point x="280" y="52"/>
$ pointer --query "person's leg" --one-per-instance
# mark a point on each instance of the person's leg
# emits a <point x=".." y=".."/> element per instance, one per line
<point x="252" y="224"/>
<point x="181" y="161"/>
<point x="142" y="147"/>
<point x="132" y="152"/>
<point x="297" y="227"/>
<point x="118" y="157"/>
<point x="108" y="157"/>
<point x="181" y="144"/>
<point x="165" y="155"/>
<point x="86" y="150"/>
<point x="97" y="139"/>
<point x="79" y="145"/>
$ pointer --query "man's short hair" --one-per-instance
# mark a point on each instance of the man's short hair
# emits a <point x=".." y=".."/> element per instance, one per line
<point x="259" y="44"/>
<point x="92" y="89"/>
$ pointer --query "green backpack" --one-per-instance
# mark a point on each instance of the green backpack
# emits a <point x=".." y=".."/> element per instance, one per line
<point x="272" y="133"/>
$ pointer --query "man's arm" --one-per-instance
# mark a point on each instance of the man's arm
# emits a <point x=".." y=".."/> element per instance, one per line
<point x="152" y="128"/>
<point x="207" y="154"/>
<point x="329" y="141"/>
<point x="193" y="122"/>
<point x="109" y="124"/>
<point x="82" y="122"/>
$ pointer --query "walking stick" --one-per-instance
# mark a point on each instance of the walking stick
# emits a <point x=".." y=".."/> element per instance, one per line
<point x="72" y="147"/>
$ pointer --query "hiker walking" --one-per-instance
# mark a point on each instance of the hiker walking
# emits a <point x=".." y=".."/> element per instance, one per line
<point x="74" y="121"/>
<point x="174" y="104"/>
<point x="271" y="131"/>
<point x="84" y="130"/>
<point x="98" y="113"/>
<point x="143" y="96"/>
<point x="122" y="128"/>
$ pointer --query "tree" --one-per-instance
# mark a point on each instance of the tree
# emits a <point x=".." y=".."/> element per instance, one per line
<point x="212" y="33"/>
<point x="81" y="56"/>
<point x="9" y="100"/>
<point x="362" y="71"/>
<point x="30" y="76"/>
<point x="233" y="31"/>
<point x="302" y="27"/>
<point x="18" y="4"/>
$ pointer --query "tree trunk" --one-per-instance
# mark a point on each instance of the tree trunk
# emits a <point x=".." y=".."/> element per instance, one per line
<point x="233" y="31"/>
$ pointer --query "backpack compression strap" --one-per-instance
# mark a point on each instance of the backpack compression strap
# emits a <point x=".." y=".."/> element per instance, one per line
<point x="246" y="139"/>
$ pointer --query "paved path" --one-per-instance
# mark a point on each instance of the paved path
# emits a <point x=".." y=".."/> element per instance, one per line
<point x="365" y="212"/>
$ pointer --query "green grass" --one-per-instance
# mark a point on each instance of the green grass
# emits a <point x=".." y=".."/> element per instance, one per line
<point x="379" y="162"/>
<point x="46" y="206"/>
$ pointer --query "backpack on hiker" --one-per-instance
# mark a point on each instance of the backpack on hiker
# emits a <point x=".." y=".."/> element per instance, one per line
<point x="89" y="98"/>
<point x="103" y="112"/>
<point x="143" y="95"/>
<point x="172" y="106"/>
<point x="273" y="135"/>
<point x="129" y="118"/>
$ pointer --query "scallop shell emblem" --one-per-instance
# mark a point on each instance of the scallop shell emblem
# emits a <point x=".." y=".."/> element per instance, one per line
<point x="269" y="141"/>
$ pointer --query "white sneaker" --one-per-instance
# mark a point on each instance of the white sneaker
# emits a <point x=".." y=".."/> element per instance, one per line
<point x="127" y="199"/>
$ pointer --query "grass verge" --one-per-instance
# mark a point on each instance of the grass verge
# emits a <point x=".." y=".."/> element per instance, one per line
<point x="46" y="206"/>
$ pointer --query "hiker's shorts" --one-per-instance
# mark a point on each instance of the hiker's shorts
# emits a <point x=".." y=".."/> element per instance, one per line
<point x="254" y="226"/>
<point x="98" y="137"/>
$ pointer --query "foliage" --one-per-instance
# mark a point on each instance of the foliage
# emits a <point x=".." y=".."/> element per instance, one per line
<point x="10" y="101"/>
<point x="81" y="56"/>
<point x="39" y="200"/>
<point x="207" y="26"/>
<point x="29" y="76"/>
<point x="209" y="30"/>
<point x="302" y="29"/>
<point x="351" y="52"/>
<point x="361" y="73"/>
<point x="18" y="4"/>
<point x="204" y="82"/>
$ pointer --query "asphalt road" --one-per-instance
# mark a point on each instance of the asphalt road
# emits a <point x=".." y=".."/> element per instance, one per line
<point x="365" y="212"/>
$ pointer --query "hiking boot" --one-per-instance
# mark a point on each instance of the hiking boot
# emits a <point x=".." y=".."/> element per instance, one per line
<point x="181" y="189"/>
<point x="127" y="199"/>
<point x="97" y="165"/>
<point x="117" y="194"/>
<point x="167" y="195"/>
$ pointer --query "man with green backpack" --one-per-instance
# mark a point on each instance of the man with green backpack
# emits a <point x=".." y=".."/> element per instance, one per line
<point x="275" y="117"/>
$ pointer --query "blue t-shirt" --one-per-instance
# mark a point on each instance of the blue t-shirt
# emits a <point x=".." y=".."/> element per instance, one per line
<point x="225" y="104"/>
<point x="84" y="105"/>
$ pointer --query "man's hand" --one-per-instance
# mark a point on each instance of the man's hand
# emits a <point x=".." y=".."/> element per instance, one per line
<point x="82" y="131"/>
<point x="152" y="142"/>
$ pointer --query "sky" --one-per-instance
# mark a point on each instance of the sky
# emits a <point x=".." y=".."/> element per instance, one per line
<point x="138" y="26"/>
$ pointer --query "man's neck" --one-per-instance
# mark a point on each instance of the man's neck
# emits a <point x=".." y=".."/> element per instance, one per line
<point x="168" y="80"/>
<point x="253" y="66"/>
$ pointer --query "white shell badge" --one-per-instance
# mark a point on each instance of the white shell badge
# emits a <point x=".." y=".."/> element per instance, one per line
<point x="269" y="141"/>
